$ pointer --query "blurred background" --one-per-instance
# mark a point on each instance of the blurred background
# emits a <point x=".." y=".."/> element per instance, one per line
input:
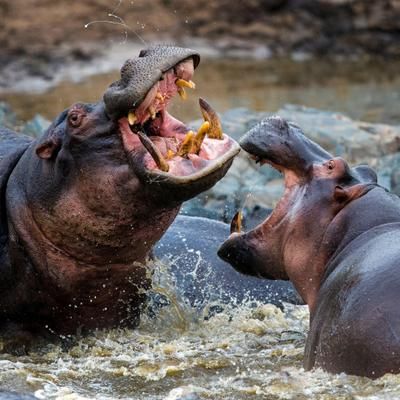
<point x="341" y="55"/>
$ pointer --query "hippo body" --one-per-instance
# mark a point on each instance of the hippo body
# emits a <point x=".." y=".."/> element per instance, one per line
<point x="356" y="323"/>
<point x="335" y="235"/>
<point x="82" y="207"/>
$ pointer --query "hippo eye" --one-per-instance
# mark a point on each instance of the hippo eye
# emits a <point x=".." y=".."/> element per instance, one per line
<point x="331" y="164"/>
<point x="75" y="119"/>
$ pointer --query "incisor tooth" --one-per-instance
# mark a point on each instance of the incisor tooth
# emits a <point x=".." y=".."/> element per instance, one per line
<point x="160" y="97"/>
<point x="236" y="223"/>
<point x="154" y="152"/>
<point x="183" y="83"/>
<point x="215" y="131"/>
<point x="187" y="144"/>
<point x="170" y="154"/>
<point x="132" y="118"/>
<point x="200" y="135"/>
<point x="152" y="112"/>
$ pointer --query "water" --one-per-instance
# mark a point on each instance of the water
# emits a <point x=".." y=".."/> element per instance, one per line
<point x="242" y="353"/>
<point x="367" y="91"/>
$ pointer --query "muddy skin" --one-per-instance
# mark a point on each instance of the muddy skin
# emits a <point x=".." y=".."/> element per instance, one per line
<point x="82" y="207"/>
<point x="335" y="235"/>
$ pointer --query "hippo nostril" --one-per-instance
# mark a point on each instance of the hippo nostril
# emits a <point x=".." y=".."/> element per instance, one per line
<point x="331" y="164"/>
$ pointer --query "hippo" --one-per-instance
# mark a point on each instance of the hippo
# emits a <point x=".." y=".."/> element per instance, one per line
<point x="82" y="207"/>
<point x="335" y="235"/>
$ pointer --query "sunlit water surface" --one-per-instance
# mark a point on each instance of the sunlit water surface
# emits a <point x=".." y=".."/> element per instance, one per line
<point x="247" y="352"/>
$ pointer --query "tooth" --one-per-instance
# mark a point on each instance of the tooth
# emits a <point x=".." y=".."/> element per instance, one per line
<point x="154" y="152"/>
<point x="236" y="224"/>
<point x="182" y="84"/>
<point x="160" y="97"/>
<point x="132" y="118"/>
<point x="152" y="112"/>
<point x="170" y="154"/>
<point x="211" y="116"/>
<point x="187" y="145"/>
<point x="182" y="93"/>
<point x="200" y="135"/>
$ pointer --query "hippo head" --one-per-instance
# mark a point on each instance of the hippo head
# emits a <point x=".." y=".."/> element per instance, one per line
<point x="296" y="237"/>
<point x="107" y="179"/>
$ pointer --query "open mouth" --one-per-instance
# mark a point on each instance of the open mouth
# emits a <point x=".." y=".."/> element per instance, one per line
<point x="164" y="147"/>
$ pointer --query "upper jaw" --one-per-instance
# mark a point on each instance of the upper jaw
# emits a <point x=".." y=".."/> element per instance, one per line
<point x="162" y="150"/>
<point x="140" y="74"/>
<point x="284" y="146"/>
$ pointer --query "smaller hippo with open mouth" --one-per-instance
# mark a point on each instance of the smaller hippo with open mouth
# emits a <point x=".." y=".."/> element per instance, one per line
<point x="335" y="234"/>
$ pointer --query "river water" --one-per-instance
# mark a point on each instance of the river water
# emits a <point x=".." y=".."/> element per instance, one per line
<point x="368" y="91"/>
<point x="245" y="352"/>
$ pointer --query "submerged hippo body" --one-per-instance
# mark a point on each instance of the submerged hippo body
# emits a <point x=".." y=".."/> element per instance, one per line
<point x="336" y="235"/>
<point x="82" y="207"/>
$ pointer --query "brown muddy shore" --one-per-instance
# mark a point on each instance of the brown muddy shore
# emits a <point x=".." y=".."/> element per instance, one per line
<point x="39" y="37"/>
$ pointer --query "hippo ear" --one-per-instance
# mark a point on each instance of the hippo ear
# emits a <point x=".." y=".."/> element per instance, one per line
<point x="349" y="193"/>
<point x="49" y="148"/>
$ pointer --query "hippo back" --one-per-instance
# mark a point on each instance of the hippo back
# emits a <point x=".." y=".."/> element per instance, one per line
<point x="12" y="146"/>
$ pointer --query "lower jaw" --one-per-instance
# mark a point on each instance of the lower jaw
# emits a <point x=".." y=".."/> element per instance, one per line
<point x="176" y="189"/>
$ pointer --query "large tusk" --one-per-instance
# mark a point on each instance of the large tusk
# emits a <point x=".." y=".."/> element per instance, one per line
<point x="154" y="152"/>
<point x="236" y="223"/>
<point x="211" y="116"/>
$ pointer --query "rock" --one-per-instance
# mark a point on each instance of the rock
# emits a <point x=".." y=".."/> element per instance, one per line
<point x="8" y="118"/>
<point x="354" y="140"/>
<point x="36" y="126"/>
<point x="248" y="186"/>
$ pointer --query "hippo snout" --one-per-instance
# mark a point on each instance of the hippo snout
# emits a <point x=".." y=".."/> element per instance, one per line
<point x="238" y="254"/>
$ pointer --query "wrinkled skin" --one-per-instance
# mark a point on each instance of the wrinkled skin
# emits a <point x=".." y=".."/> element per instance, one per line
<point x="82" y="207"/>
<point x="335" y="235"/>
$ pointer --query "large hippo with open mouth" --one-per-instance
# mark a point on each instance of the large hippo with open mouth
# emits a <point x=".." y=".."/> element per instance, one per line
<point x="82" y="207"/>
<point x="335" y="234"/>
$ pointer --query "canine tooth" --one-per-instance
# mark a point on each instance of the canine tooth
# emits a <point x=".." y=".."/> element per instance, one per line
<point x="182" y="93"/>
<point x="154" y="152"/>
<point x="187" y="145"/>
<point x="236" y="223"/>
<point x="132" y="118"/>
<point x="215" y="131"/>
<point x="183" y="83"/>
<point x="200" y="135"/>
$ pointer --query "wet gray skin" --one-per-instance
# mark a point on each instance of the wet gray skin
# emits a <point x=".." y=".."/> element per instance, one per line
<point x="138" y="75"/>
<point x="334" y="234"/>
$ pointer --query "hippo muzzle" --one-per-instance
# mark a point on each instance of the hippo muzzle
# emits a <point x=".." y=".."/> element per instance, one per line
<point x="162" y="150"/>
